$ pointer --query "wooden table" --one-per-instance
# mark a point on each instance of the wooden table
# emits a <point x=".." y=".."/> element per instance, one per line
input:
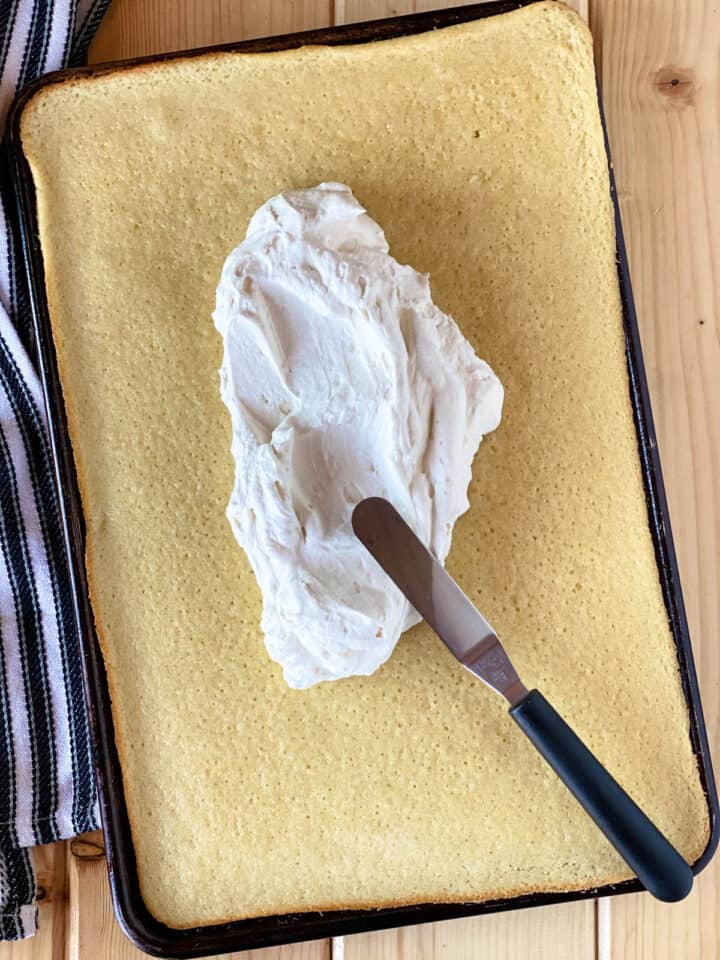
<point x="659" y="63"/>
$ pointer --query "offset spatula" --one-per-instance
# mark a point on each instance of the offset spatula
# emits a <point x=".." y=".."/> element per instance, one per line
<point x="472" y="640"/>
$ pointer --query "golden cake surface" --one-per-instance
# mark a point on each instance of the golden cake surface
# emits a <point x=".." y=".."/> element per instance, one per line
<point x="479" y="150"/>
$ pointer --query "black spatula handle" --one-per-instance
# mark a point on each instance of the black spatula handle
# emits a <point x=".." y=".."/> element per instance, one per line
<point x="658" y="865"/>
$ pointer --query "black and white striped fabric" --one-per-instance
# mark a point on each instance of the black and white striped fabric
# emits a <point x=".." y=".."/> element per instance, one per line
<point x="47" y="789"/>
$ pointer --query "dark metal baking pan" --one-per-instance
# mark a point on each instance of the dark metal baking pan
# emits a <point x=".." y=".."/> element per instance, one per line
<point x="146" y="932"/>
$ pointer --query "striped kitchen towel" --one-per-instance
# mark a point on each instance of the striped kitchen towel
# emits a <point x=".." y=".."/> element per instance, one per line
<point x="47" y="789"/>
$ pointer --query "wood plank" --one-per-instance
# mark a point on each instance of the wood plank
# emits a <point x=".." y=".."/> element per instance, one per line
<point x="313" y="950"/>
<point x="353" y="11"/>
<point x="635" y="41"/>
<point x="76" y="914"/>
<point x="562" y="932"/>
<point x="131" y="29"/>
<point x="94" y="933"/>
<point x="582" y="7"/>
<point x="659" y="75"/>
<point x="556" y="933"/>
<point x="136" y="28"/>
<point x="92" y="930"/>
<point x="48" y="943"/>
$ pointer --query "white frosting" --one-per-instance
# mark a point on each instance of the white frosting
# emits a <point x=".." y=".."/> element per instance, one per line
<point x="343" y="381"/>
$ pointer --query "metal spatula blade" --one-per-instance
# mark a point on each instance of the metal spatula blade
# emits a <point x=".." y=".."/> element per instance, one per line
<point x="436" y="596"/>
<point x="467" y="634"/>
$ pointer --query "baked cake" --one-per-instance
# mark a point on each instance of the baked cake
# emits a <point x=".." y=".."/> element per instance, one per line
<point x="479" y="149"/>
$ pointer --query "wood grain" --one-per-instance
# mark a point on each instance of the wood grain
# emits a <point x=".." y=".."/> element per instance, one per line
<point x="352" y="11"/>
<point x="563" y="932"/>
<point x="92" y="930"/>
<point x="555" y="933"/>
<point x="660" y="77"/>
<point x="94" y="933"/>
<point x="49" y="942"/>
<point x="136" y="28"/>
<point x="665" y="138"/>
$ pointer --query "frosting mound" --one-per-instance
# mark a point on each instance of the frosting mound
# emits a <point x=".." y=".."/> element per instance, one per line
<point x="343" y="381"/>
